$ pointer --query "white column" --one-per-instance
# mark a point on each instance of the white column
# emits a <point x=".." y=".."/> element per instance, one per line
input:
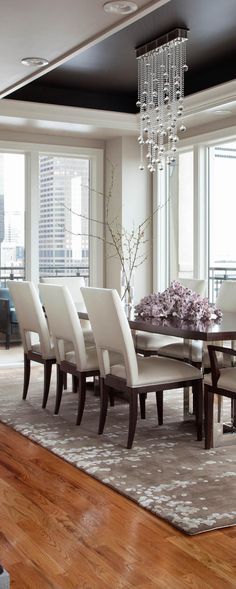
<point x="32" y="210"/>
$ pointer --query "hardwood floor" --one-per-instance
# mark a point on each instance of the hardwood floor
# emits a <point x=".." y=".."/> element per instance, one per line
<point x="61" y="529"/>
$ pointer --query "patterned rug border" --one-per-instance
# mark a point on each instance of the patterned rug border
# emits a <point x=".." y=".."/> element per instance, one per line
<point x="114" y="489"/>
<point x="163" y="487"/>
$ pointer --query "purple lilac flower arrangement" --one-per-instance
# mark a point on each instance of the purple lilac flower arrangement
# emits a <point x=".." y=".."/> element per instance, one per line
<point x="178" y="301"/>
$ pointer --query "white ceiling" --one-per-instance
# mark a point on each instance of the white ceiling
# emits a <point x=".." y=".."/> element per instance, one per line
<point x="55" y="30"/>
<point x="58" y="29"/>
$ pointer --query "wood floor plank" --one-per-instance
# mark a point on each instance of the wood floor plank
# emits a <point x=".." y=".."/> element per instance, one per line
<point x="62" y="529"/>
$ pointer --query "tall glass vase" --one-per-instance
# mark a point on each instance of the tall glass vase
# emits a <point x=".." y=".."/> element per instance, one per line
<point x="127" y="289"/>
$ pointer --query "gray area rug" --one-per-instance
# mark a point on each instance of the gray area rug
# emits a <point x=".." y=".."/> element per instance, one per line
<point x="167" y="471"/>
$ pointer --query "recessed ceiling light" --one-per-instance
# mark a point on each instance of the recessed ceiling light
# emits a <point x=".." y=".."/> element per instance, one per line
<point x="120" y="7"/>
<point x="34" y="61"/>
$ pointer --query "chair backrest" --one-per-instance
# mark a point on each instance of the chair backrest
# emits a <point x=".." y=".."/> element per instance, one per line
<point x="198" y="286"/>
<point x="226" y="300"/>
<point x="73" y="283"/>
<point x="30" y="316"/>
<point x="63" y="322"/>
<point x="111" y="330"/>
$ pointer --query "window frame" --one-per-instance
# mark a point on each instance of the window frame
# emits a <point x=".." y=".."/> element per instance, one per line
<point x="165" y="267"/>
<point x="96" y="245"/>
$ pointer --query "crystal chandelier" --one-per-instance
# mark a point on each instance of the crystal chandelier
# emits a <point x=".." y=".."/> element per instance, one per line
<point x="161" y="67"/>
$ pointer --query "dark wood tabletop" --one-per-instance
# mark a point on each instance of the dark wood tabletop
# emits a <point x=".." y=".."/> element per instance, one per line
<point x="220" y="330"/>
<point x="216" y="330"/>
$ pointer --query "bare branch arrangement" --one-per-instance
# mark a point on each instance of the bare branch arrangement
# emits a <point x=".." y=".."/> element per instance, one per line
<point x="128" y="246"/>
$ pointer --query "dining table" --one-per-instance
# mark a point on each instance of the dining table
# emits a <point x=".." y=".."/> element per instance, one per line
<point x="220" y="330"/>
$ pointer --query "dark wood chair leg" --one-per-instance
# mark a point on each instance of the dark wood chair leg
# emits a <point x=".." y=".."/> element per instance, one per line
<point x="96" y="386"/>
<point x="133" y="413"/>
<point x="198" y="397"/>
<point x="142" y="402"/>
<point x="26" y="376"/>
<point x="104" y="395"/>
<point x="233" y="411"/>
<point x="8" y="335"/>
<point x="60" y="380"/>
<point x="65" y="380"/>
<point x="82" y="395"/>
<point x="159" y="402"/>
<point x="195" y="401"/>
<point x="209" y="406"/>
<point x="111" y="397"/>
<point x="74" y="383"/>
<point x="47" y="380"/>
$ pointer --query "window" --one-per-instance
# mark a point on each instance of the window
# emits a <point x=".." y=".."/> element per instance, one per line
<point x="33" y="185"/>
<point x="222" y="213"/>
<point x="64" y="216"/>
<point x="12" y="216"/>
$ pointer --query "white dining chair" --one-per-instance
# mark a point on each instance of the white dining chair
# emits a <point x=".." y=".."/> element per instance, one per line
<point x="226" y="299"/>
<point x="73" y="283"/>
<point x="222" y="383"/>
<point x="81" y="361"/>
<point x="137" y="375"/>
<point x="173" y="347"/>
<point x="32" y="320"/>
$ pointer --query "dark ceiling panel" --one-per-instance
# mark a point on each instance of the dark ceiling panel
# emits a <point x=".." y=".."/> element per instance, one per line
<point x="105" y="76"/>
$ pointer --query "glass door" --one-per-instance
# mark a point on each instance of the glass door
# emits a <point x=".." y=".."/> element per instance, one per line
<point x="12" y="217"/>
<point x="222" y="215"/>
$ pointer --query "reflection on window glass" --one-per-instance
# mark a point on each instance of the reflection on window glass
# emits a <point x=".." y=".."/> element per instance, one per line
<point x="64" y="212"/>
<point x="12" y="216"/>
<point x="185" y="214"/>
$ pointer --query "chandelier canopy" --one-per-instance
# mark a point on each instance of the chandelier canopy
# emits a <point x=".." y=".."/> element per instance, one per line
<point x="161" y="67"/>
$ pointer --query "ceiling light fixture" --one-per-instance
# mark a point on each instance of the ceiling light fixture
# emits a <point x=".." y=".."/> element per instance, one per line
<point x="120" y="7"/>
<point x="161" y="67"/>
<point x="34" y="61"/>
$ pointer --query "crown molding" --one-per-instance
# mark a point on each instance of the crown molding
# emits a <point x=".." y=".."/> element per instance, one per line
<point x="204" y="102"/>
<point x="221" y="95"/>
<point x="68" y="114"/>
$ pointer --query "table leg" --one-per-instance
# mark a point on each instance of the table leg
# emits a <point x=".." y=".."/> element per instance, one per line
<point x="233" y="412"/>
<point x="188" y="397"/>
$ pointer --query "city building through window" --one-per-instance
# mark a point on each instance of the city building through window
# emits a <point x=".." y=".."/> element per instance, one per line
<point x="64" y="216"/>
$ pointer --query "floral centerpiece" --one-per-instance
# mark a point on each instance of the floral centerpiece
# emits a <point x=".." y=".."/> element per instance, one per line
<point x="178" y="301"/>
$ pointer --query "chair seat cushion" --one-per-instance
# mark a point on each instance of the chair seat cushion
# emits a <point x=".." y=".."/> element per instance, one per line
<point x="181" y="351"/>
<point x="226" y="381"/>
<point x="155" y="370"/>
<point x="37" y="349"/>
<point x="146" y="341"/>
<point x="91" y="358"/>
<point x="193" y="352"/>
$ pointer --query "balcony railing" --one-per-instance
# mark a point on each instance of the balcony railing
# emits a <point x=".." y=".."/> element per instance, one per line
<point x="64" y="271"/>
<point x="217" y="275"/>
<point x="11" y="273"/>
<point x="18" y="273"/>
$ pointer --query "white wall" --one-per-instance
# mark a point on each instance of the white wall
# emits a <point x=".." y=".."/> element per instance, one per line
<point x="132" y="204"/>
<point x="113" y="159"/>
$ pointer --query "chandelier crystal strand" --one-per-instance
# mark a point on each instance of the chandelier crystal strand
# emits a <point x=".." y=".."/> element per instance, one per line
<point x="161" y="67"/>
